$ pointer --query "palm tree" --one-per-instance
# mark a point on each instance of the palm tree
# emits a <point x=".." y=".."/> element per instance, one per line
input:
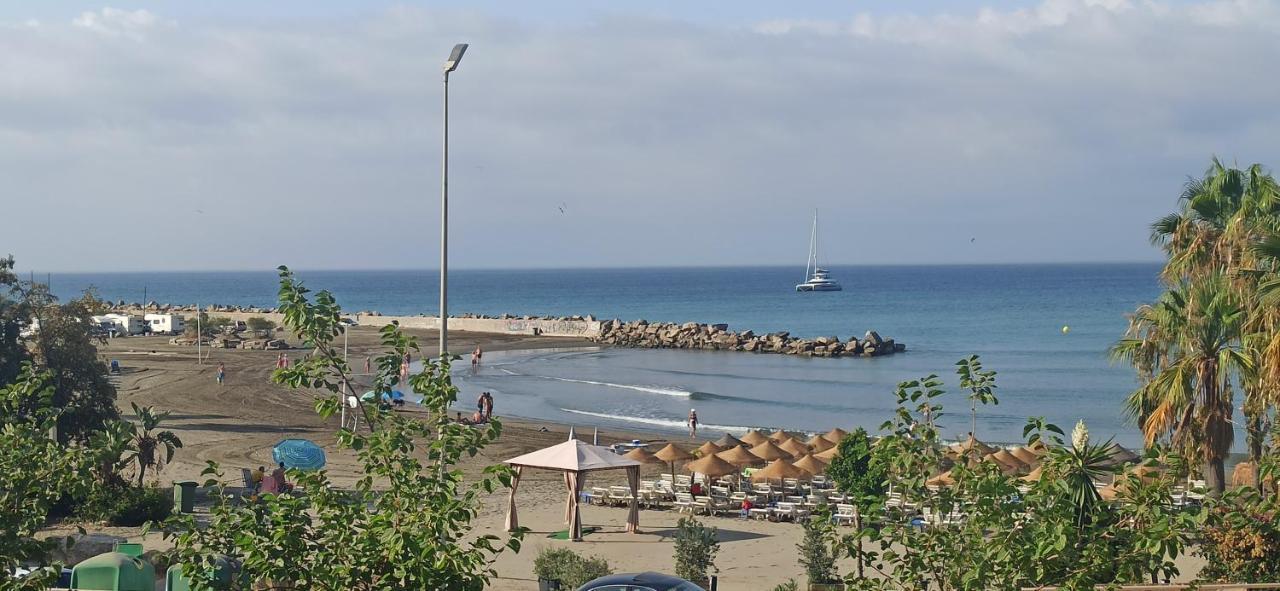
<point x="146" y="441"/>
<point x="1198" y="326"/>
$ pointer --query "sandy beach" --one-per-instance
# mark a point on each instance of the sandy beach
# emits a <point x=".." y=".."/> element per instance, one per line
<point x="237" y="424"/>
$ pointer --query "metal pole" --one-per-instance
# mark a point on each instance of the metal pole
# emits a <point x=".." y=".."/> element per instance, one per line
<point x="444" y="228"/>
<point x="199" y="351"/>
<point x="344" y="343"/>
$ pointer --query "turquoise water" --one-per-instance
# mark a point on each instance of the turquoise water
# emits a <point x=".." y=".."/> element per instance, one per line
<point x="1011" y="315"/>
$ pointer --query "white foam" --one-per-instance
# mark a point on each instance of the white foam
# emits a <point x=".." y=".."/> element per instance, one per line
<point x="647" y="389"/>
<point x="668" y="423"/>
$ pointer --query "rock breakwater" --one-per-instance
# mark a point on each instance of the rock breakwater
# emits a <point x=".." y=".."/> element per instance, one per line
<point x="718" y="337"/>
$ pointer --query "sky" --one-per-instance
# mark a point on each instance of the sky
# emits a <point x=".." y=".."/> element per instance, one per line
<point x="243" y="135"/>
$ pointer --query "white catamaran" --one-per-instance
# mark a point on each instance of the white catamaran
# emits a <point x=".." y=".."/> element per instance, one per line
<point x="820" y="280"/>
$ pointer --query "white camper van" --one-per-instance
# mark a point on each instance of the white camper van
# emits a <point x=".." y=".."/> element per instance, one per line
<point x="165" y="323"/>
<point x="127" y="324"/>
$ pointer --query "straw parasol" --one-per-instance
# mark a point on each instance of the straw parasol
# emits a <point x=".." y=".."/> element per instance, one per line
<point x="776" y="471"/>
<point x="711" y="466"/>
<point x="828" y="455"/>
<point x="708" y="449"/>
<point x="943" y="479"/>
<point x="1007" y="458"/>
<point x="819" y="443"/>
<point x="779" y="436"/>
<point x="971" y="444"/>
<point x="1027" y="456"/>
<point x="727" y="441"/>
<point x="794" y="447"/>
<point x="769" y="451"/>
<point x="1006" y="468"/>
<point x="811" y="465"/>
<point x="739" y="456"/>
<point x="643" y="456"/>
<point x="1117" y="455"/>
<point x="672" y="454"/>
<point x="835" y="435"/>
<point x="1034" y="476"/>
<point x="754" y="437"/>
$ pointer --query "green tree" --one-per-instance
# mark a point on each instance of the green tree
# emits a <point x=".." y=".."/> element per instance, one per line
<point x="696" y="549"/>
<point x="35" y="472"/>
<point x="981" y="385"/>
<point x="258" y="323"/>
<point x="815" y="550"/>
<point x="406" y="523"/>
<point x="13" y="313"/>
<point x="860" y="475"/>
<point x="147" y="441"/>
<point x="1199" y="325"/>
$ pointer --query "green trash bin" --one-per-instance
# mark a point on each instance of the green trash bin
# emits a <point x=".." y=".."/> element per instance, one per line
<point x="184" y="496"/>
<point x="132" y="549"/>
<point x="114" y="571"/>
<point x="176" y="580"/>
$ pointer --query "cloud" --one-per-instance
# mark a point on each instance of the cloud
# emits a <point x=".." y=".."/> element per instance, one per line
<point x="1055" y="132"/>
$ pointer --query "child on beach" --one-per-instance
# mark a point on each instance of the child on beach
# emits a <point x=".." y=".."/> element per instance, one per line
<point x="222" y="372"/>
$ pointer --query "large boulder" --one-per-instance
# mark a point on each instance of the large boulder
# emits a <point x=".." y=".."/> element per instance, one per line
<point x="84" y="546"/>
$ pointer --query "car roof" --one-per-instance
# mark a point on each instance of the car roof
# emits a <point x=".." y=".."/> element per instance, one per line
<point x="648" y="578"/>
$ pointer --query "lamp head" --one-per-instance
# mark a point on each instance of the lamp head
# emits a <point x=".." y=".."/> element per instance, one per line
<point x="455" y="56"/>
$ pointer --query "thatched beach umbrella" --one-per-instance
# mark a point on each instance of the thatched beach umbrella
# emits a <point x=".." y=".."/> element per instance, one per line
<point x="672" y="454"/>
<point x="1027" y="456"/>
<point x="779" y="436"/>
<point x="708" y="449"/>
<point x="1117" y="455"/>
<point x="754" y="437"/>
<point x="794" y="447"/>
<point x="769" y="451"/>
<point x="810" y="464"/>
<point x="1034" y="475"/>
<point x="1007" y="458"/>
<point x="943" y="479"/>
<point x="819" y="443"/>
<point x="835" y="435"/>
<point x="739" y="456"/>
<point x="1243" y="475"/>
<point x="829" y="454"/>
<point x="971" y="445"/>
<point x="643" y="456"/>
<point x="727" y="441"/>
<point x="1005" y="467"/>
<point x="711" y="466"/>
<point x="777" y="470"/>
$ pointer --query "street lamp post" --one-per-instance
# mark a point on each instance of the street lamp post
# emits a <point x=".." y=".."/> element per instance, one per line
<point x="452" y="64"/>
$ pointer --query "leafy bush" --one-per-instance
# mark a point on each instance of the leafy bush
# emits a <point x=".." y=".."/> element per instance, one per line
<point x="815" y="552"/>
<point x="696" y="548"/>
<point x="790" y="585"/>
<point x="128" y="506"/>
<point x="566" y="566"/>
<point x="1241" y="541"/>
<point x="259" y="323"/>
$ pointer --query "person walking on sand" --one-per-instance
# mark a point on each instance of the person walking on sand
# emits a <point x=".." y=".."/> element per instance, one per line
<point x="222" y="373"/>
<point x="368" y="360"/>
<point x="693" y="423"/>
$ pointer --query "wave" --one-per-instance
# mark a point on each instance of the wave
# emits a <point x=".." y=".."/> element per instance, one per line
<point x="648" y="389"/>
<point x="667" y="423"/>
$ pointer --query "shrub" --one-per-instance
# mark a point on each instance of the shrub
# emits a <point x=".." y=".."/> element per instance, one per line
<point x="128" y="506"/>
<point x="815" y="553"/>
<point x="259" y="323"/>
<point x="572" y="570"/>
<point x="1242" y="539"/>
<point x="696" y="548"/>
<point x="790" y="585"/>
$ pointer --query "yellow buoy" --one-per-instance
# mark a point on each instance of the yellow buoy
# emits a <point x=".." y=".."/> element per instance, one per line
<point x="1066" y="329"/>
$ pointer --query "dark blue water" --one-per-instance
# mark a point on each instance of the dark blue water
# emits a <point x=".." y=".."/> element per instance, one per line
<point x="1011" y="315"/>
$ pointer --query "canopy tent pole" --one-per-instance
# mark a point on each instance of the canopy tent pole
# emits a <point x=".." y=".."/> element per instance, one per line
<point x="633" y="514"/>
<point x="513" y="521"/>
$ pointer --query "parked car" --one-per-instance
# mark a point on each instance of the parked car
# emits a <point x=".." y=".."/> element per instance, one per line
<point x="347" y="321"/>
<point x="639" y="582"/>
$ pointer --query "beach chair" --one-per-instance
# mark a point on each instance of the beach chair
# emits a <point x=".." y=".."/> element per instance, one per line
<point x="666" y="489"/>
<point x="790" y="484"/>
<point x="738" y="497"/>
<point x="843" y="515"/>
<point x="683" y="482"/>
<point x="620" y="495"/>
<point x="720" y="490"/>
<point x="785" y="510"/>
<point x="717" y="505"/>
<point x="684" y="503"/>
<point x="761" y="513"/>
<point x="820" y="481"/>
<point x="248" y="479"/>
<point x="702" y="505"/>
<point x="599" y="495"/>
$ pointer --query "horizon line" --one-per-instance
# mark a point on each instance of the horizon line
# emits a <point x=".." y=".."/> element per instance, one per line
<point x="20" y="273"/>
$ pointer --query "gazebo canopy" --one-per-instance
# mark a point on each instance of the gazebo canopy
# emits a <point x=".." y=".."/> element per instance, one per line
<point x="711" y="466"/>
<point x="671" y="453"/>
<point x="794" y="447"/>
<point x="776" y="471"/>
<point x="727" y="441"/>
<point x="575" y="458"/>
<point x="811" y="465"/>
<point x="769" y="451"/>
<point x="754" y="437"/>
<point x="708" y="449"/>
<point x="739" y="456"/>
<point x="643" y="456"/>
<point x="835" y="435"/>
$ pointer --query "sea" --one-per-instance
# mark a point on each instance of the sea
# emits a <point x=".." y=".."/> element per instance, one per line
<point x="1044" y="328"/>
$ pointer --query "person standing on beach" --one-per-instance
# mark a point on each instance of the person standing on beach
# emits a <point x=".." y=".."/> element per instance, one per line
<point x="693" y="423"/>
<point x="476" y="355"/>
<point x="368" y="360"/>
<point x="488" y="406"/>
<point x="480" y="404"/>
<point x="222" y="373"/>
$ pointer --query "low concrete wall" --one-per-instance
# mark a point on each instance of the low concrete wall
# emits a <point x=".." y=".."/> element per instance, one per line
<point x="551" y="327"/>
